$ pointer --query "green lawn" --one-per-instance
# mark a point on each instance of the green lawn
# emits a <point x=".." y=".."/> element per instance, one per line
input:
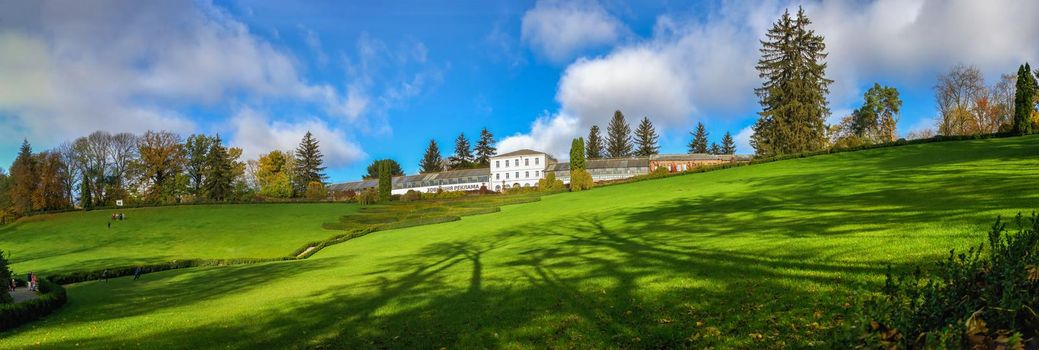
<point x="82" y="240"/>
<point x="764" y="256"/>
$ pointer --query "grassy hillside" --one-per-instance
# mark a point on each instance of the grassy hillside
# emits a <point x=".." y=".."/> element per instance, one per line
<point x="765" y="256"/>
<point x="82" y="240"/>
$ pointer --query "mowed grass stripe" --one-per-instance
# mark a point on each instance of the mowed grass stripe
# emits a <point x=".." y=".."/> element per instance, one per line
<point x="765" y="256"/>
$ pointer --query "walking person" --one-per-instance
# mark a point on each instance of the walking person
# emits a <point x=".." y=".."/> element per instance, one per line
<point x="28" y="280"/>
<point x="14" y="284"/>
<point x="104" y="275"/>
<point x="35" y="286"/>
<point x="137" y="273"/>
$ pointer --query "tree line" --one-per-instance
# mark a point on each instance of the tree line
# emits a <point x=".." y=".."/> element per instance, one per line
<point x="156" y="167"/>
<point x="795" y="108"/>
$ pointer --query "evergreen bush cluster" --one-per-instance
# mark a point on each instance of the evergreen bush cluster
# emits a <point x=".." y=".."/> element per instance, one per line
<point x="970" y="300"/>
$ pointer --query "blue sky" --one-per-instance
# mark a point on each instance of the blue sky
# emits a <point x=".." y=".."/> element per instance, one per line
<point x="380" y="79"/>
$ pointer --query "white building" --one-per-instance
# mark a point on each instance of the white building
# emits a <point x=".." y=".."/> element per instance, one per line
<point x="522" y="168"/>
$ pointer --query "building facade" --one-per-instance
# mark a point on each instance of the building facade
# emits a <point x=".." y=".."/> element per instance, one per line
<point x="523" y="168"/>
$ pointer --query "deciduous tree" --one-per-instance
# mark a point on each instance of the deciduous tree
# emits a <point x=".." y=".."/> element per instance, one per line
<point x="196" y="150"/>
<point x="162" y="158"/>
<point x="957" y="94"/>
<point x="274" y="174"/>
<point x="373" y="169"/>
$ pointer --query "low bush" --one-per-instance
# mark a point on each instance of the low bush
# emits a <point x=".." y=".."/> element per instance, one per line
<point x="316" y="191"/>
<point x="581" y="180"/>
<point x="52" y="296"/>
<point x="971" y="300"/>
<point x="128" y="270"/>
<point x="368" y="197"/>
<point x="410" y="196"/>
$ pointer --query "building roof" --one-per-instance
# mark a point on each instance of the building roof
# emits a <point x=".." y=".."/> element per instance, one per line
<point x="399" y="180"/>
<point x="522" y="152"/>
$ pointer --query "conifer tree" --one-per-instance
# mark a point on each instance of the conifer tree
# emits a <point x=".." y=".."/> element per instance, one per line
<point x="793" y="94"/>
<point x="699" y="142"/>
<point x="84" y="195"/>
<point x="618" y="137"/>
<point x="463" y="157"/>
<point x="385" y="181"/>
<point x="373" y="169"/>
<point x="728" y="144"/>
<point x="1024" y="100"/>
<point x="23" y="179"/>
<point x="577" y="154"/>
<point x="714" y="149"/>
<point x="646" y="139"/>
<point x="594" y="147"/>
<point x="485" y="148"/>
<point x="432" y="161"/>
<point x="308" y="164"/>
<point x="218" y="179"/>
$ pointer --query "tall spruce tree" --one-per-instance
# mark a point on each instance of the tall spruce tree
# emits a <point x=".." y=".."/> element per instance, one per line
<point x="218" y="175"/>
<point x="432" y="161"/>
<point x="308" y="164"/>
<point x="1024" y="100"/>
<point x="24" y="179"/>
<point x="699" y="142"/>
<point x="728" y="144"/>
<point x="646" y="139"/>
<point x="577" y="154"/>
<point x="485" y="148"/>
<point x="618" y="137"/>
<point x="594" y="147"/>
<point x="463" y="157"/>
<point x="793" y="93"/>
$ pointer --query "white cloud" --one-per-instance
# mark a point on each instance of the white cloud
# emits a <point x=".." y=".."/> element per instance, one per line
<point x="561" y="29"/>
<point x="257" y="135"/>
<point x="72" y="68"/>
<point x="550" y="134"/>
<point x="743" y="141"/>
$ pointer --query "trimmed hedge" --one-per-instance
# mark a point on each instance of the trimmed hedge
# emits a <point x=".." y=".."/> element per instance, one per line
<point x="128" y="270"/>
<point x="51" y="298"/>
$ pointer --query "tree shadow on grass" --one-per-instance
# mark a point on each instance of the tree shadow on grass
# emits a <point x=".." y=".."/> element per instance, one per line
<point x="585" y="284"/>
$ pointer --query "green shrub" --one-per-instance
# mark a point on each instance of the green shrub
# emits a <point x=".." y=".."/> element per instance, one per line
<point x="52" y="296"/>
<point x="128" y="270"/>
<point x="970" y="300"/>
<point x="581" y="180"/>
<point x="316" y="191"/>
<point x="5" y="280"/>
<point x="410" y="196"/>
<point x="368" y="197"/>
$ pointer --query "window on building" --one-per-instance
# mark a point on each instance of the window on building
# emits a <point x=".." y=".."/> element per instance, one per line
<point x="526" y="174"/>
<point x="536" y="171"/>
<point x="506" y="175"/>
<point x="526" y="161"/>
<point x="517" y="174"/>
<point x="517" y="162"/>
<point x="497" y="164"/>
<point x="537" y="161"/>
<point x="497" y="176"/>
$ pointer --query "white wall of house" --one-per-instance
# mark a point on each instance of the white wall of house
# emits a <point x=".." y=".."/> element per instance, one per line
<point x="519" y="170"/>
<point x="468" y="186"/>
